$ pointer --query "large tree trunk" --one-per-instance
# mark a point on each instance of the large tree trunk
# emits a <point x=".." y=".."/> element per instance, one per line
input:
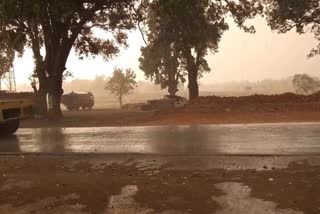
<point x="42" y="107"/>
<point x="56" y="59"/>
<point x="58" y="43"/>
<point x="42" y="104"/>
<point x="173" y="84"/>
<point x="172" y="68"/>
<point x="192" y="69"/>
<point x="193" y="84"/>
<point x="55" y="69"/>
<point x="55" y="93"/>
<point x="40" y="71"/>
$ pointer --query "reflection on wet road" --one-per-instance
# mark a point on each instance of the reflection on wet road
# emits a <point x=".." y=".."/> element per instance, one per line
<point x="262" y="139"/>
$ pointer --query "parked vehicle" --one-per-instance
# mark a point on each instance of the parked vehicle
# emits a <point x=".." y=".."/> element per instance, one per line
<point x="77" y="100"/>
<point x="167" y="103"/>
<point x="11" y="112"/>
<point x="177" y="101"/>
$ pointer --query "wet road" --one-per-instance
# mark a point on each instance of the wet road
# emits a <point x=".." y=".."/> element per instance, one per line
<point x="254" y="139"/>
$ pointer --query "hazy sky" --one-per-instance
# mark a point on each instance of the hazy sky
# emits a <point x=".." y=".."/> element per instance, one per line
<point x="241" y="56"/>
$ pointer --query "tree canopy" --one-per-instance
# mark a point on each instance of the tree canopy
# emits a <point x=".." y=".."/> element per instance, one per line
<point x="181" y="32"/>
<point x="6" y="60"/>
<point x="121" y="83"/>
<point x="10" y="43"/>
<point x="58" y="26"/>
<point x="160" y="63"/>
<point x="301" y="15"/>
<point x="304" y="84"/>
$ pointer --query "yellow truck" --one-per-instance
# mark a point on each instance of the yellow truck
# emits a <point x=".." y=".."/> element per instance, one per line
<point x="11" y="112"/>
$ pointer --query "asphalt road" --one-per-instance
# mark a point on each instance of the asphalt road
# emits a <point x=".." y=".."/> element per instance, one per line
<point x="253" y="139"/>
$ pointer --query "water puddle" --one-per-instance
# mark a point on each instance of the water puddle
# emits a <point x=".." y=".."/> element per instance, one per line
<point x="124" y="203"/>
<point x="48" y="206"/>
<point x="237" y="199"/>
<point x="14" y="183"/>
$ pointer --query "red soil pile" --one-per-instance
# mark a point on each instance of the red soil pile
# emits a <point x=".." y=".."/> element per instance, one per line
<point x="256" y="103"/>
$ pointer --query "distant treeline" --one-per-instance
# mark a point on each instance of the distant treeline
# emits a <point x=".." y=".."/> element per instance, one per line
<point x="147" y="90"/>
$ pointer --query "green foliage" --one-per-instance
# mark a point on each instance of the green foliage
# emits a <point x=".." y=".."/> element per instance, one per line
<point x="6" y="60"/>
<point x="11" y="40"/>
<point x="58" y="26"/>
<point x="121" y="83"/>
<point x="9" y="45"/>
<point x="74" y="21"/>
<point x="181" y="32"/>
<point x="160" y="64"/>
<point x="302" y="15"/>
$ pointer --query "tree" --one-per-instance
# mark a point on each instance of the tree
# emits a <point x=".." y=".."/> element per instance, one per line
<point x="6" y="60"/>
<point x="160" y="64"/>
<point x="10" y="43"/>
<point x="301" y="15"/>
<point x="59" y="26"/>
<point x="24" y="32"/>
<point x="121" y="84"/>
<point x="305" y="84"/>
<point x="182" y="32"/>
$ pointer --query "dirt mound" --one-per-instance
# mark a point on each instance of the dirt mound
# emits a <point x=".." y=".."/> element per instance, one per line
<point x="316" y="94"/>
<point x="256" y="103"/>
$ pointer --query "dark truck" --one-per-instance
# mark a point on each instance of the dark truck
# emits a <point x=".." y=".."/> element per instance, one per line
<point x="77" y="100"/>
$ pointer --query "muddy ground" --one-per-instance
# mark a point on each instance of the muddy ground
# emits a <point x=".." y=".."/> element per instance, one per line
<point x="287" y="107"/>
<point x="109" y="117"/>
<point x="130" y="184"/>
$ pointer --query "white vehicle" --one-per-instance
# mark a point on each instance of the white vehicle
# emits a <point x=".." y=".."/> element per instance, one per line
<point x="178" y="102"/>
<point x="167" y="103"/>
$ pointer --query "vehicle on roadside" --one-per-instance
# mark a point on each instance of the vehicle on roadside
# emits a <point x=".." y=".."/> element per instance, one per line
<point x="177" y="101"/>
<point x="11" y="112"/>
<point x="169" y="102"/>
<point x="76" y="100"/>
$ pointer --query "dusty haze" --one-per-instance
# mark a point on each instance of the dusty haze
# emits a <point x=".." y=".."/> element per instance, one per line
<point x="242" y="57"/>
<point x="147" y="90"/>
